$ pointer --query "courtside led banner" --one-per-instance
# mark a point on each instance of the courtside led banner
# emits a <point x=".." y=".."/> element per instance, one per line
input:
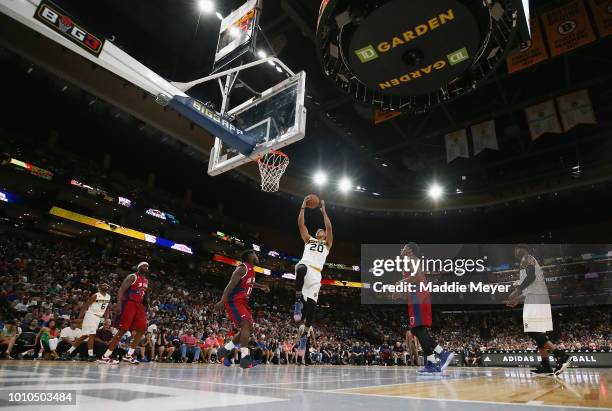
<point x="36" y="171"/>
<point x="117" y="229"/>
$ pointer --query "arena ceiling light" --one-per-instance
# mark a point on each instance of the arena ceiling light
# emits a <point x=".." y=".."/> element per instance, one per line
<point x="261" y="54"/>
<point x="320" y="178"/>
<point x="219" y="15"/>
<point x="206" y="6"/>
<point x="345" y="185"/>
<point x="435" y="191"/>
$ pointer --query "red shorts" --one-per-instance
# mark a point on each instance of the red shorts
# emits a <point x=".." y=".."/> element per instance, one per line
<point x="420" y="315"/>
<point x="238" y="310"/>
<point x="132" y="317"/>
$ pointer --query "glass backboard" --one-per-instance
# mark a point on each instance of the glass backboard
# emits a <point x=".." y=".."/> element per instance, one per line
<point x="273" y="120"/>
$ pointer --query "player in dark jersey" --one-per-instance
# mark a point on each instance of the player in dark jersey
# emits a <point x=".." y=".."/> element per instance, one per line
<point x="419" y="310"/>
<point x="131" y="314"/>
<point x="235" y="301"/>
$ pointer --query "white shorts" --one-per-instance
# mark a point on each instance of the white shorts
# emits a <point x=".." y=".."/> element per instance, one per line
<point x="90" y="324"/>
<point x="537" y="318"/>
<point x="312" y="283"/>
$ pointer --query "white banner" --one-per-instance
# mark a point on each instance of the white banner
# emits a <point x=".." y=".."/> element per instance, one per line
<point x="456" y="145"/>
<point x="542" y="118"/>
<point x="576" y="108"/>
<point x="484" y="136"/>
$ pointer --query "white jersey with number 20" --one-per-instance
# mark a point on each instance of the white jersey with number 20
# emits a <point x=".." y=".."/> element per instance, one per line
<point x="315" y="253"/>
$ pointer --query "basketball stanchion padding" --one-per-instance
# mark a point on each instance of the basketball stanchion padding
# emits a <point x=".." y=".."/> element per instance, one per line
<point x="272" y="166"/>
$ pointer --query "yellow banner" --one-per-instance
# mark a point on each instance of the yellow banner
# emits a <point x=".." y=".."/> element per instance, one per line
<point x="103" y="225"/>
<point x="531" y="52"/>
<point x="567" y="28"/>
<point x="602" y="12"/>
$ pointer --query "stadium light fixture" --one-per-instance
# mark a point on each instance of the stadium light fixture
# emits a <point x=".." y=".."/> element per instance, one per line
<point x="206" y="6"/>
<point x="345" y="185"/>
<point x="261" y="54"/>
<point x="435" y="191"/>
<point x="219" y="15"/>
<point x="320" y="178"/>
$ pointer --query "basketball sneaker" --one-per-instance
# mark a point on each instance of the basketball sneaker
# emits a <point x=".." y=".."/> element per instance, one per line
<point x="131" y="359"/>
<point x="430" y="368"/>
<point x="297" y="311"/>
<point x="107" y="360"/>
<point x="91" y="358"/>
<point x="563" y="362"/>
<point x="223" y="352"/>
<point x="227" y="362"/>
<point x="246" y="362"/>
<point x="446" y="357"/>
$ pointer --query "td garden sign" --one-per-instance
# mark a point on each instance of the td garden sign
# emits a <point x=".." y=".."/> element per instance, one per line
<point x="400" y="50"/>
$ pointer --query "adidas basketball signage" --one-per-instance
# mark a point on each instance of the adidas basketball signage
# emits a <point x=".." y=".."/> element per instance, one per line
<point x="56" y="19"/>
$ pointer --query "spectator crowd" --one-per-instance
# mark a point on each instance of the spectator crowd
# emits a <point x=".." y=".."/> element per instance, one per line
<point x="44" y="283"/>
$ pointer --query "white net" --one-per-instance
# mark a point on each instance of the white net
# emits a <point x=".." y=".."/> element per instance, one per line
<point x="272" y="166"/>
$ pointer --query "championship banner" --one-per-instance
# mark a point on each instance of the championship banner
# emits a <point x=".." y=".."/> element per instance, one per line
<point x="456" y="145"/>
<point x="576" y="108"/>
<point x="382" y="116"/>
<point x="568" y="28"/>
<point x="531" y="52"/>
<point x="484" y="136"/>
<point x="602" y="12"/>
<point x="542" y="118"/>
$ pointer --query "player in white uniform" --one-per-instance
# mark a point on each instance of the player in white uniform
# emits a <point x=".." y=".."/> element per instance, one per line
<point x="537" y="313"/>
<point x="308" y="271"/>
<point x="92" y="313"/>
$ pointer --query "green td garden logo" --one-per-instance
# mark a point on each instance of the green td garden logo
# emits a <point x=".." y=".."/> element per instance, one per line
<point x="366" y="54"/>
<point x="458" y="56"/>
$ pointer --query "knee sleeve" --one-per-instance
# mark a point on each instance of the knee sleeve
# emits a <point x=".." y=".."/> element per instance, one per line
<point x="309" y="311"/>
<point x="427" y="343"/>
<point x="539" y="338"/>
<point x="300" y="273"/>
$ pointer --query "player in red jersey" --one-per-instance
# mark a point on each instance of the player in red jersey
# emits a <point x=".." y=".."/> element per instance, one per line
<point x="131" y="314"/>
<point x="235" y="301"/>
<point x="419" y="311"/>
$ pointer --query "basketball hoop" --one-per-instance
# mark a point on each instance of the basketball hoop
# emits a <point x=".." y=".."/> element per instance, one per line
<point x="272" y="166"/>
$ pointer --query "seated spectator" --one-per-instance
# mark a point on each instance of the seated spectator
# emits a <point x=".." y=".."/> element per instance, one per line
<point x="368" y="353"/>
<point x="68" y="336"/>
<point x="165" y="349"/>
<point x="399" y="354"/>
<point x="8" y="336"/>
<point x="189" y="346"/>
<point x="209" y="347"/>
<point x="356" y="354"/>
<point x="104" y="335"/>
<point x="146" y="348"/>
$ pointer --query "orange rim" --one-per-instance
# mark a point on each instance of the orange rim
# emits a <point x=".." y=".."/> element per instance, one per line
<point x="276" y="152"/>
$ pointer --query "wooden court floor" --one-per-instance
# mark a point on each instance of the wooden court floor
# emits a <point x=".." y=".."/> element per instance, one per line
<point x="575" y="389"/>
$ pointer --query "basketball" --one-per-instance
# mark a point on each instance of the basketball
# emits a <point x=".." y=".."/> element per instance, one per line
<point x="312" y="201"/>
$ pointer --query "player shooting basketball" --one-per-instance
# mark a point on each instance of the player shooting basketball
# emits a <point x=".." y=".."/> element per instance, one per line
<point x="308" y="269"/>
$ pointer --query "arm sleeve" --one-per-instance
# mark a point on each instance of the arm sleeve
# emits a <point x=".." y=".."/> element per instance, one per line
<point x="529" y="278"/>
